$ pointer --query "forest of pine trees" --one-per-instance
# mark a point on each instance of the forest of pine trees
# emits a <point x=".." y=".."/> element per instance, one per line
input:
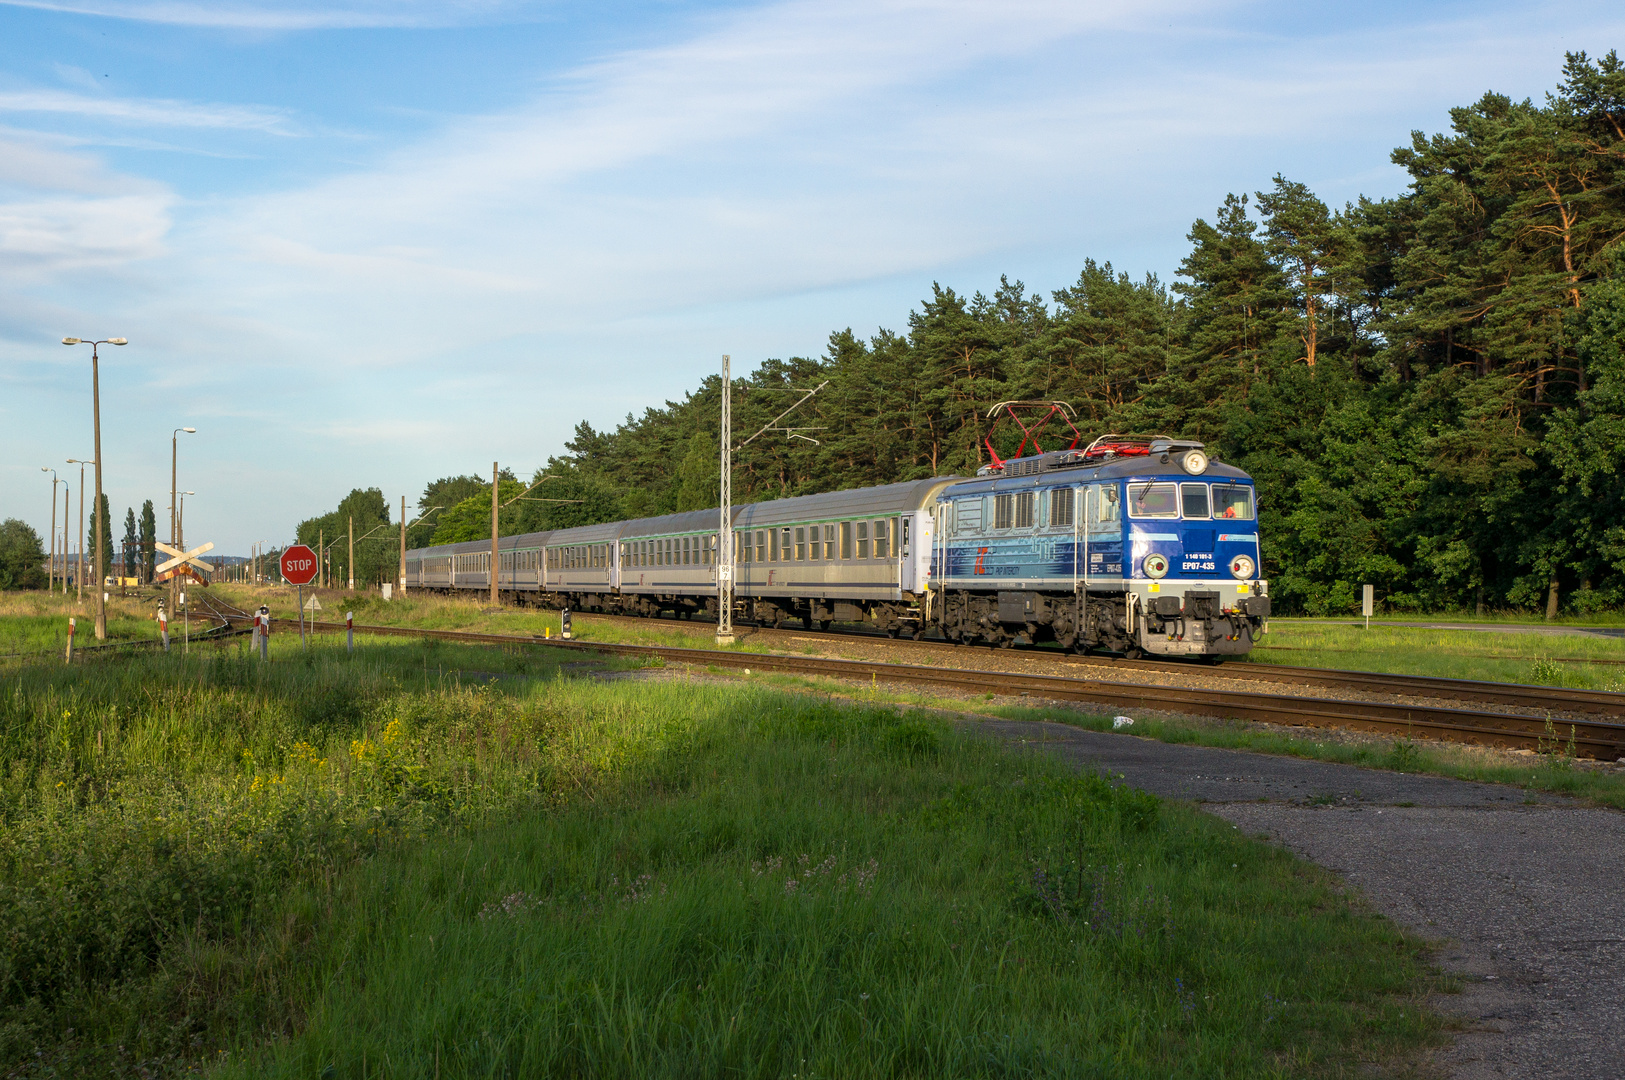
<point x="1429" y="389"/>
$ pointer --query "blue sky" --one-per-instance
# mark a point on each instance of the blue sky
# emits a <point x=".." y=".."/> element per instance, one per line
<point x="381" y="241"/>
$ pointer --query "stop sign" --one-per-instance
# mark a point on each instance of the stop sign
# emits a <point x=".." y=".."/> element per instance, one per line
<point x="299" y="565"/>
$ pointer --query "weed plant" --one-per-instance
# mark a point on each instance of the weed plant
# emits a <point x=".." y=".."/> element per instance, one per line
<point x="344" y="866"/>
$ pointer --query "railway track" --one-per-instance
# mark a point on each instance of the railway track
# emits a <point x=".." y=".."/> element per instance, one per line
<point x="1590" y="738"/>
<point x="1539" y="698"/>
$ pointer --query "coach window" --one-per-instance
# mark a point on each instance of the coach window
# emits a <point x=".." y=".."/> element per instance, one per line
<point x="846" y="540"/>
<point x="801" y="544"/>
<point x="882" y="545"/>
<point x="1061" y="506"/>
<point x="1152" y="500"/>
<point x="813" y="546"/>
<point x="784" y="545"/>
<point x="829" y="543"/>
<point x="761" y="546"/>
<point x="772" y="545"/>
<point x="863" y="539"/>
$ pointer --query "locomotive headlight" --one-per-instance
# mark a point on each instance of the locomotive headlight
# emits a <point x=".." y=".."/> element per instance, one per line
<point x="1155" y="566"/>
<point x="1242" y="567"/>
<point x="1194" y="462"/>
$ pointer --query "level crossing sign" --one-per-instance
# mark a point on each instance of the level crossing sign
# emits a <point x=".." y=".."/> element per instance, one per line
<point x="179" y="558"/>
<point x="298" y="565"/>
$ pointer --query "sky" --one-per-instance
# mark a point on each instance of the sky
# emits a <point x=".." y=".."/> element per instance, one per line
<point x="376" y="242"/>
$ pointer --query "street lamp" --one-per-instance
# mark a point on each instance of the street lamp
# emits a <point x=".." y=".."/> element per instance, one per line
<point x="80" y="576"/>
<point x="50" y="577"/>
<point x="96" y="414"/>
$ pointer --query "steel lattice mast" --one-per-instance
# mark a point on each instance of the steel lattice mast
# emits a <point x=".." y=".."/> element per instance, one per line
<point x="725" y="533"/>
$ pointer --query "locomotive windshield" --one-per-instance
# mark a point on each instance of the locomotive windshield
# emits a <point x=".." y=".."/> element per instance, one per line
<point x="1151" y="500"/>
<point x="1233" y="501"/>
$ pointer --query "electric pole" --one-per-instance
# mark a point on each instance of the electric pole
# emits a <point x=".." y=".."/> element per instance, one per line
<point x="403" y="545"/>
<point x="725" y="548"/>
<point x="352" y="553"/>
<point x="493" y="534"/>
<point x="725" y="527"/>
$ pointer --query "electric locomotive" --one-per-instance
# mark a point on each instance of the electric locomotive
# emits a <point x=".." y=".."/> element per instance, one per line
<point x="1129" y="545"/>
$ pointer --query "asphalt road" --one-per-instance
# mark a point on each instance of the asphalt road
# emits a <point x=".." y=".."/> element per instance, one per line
<point x="1525" y="894"/>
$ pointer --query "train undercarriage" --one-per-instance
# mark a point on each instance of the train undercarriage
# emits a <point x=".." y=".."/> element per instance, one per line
<point x="1192" y="624"/>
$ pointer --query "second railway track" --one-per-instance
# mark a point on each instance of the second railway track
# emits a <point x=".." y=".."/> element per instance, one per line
<point x="1590" y="738"/>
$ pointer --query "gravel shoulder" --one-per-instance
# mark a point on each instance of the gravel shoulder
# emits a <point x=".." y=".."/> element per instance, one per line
<point x="1524" y="892"/>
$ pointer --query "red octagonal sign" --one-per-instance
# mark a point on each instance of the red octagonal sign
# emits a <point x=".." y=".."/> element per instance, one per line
<point x="298" y="565"/>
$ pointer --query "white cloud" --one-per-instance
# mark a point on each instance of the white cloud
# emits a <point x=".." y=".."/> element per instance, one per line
<point x="240" y="15"/>
<point x="152" y="112"/>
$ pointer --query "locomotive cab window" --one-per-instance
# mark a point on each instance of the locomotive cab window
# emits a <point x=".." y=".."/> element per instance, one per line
<point x="1193" y="500"/>
<point x="1233" y="502"/>
<point x="1147" y="499"/>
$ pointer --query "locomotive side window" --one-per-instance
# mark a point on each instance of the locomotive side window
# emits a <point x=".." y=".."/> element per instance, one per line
<point x="1003" y="511"/>
<point x="1061" y="504"/>
<point x="1233" y="501"/>
<point x="1103" y="512"/>
<point x="863" y="539"/>
<point x="1193" y="500"/>
<point x="968" y="515"/>
<point x="1152" y="500"/>
<point x="846" y="539"/>
<point x="1024" y="509"/>
<point x="881" y="540"/>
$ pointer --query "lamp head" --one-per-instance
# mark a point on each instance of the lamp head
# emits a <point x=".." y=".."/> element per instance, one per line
<point x="70" y="341"/>
<point x="190" y="430"/>
<point x="118" y="341"/>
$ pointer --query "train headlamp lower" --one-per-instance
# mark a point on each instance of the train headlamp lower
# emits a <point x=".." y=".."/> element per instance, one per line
<point x="1242" y="567"/>
<point x="1155" y="566"/>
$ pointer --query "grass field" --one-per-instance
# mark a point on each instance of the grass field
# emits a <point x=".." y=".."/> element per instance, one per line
<point x="37" y="622"/>
<point x="1573" y="660"/>
<point x="369" y="865"/>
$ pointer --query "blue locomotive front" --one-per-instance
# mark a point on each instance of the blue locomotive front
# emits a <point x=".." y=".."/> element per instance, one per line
<point x="1131" y="545"/>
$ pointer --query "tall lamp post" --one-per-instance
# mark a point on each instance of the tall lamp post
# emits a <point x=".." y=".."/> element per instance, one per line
<point x="96" y="422"/>
<point x="79" y="577"/>
<point x="50" y="578"/>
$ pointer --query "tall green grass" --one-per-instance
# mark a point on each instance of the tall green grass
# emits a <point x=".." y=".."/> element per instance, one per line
<point x="356" y="866"/>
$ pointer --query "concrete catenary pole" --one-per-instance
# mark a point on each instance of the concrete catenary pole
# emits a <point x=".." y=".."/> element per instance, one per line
<point x="725" y="534"/>
<point x="403" y="545"/>
<point x="494" y="532"/>
<point x="101" y="512"/>
<point x="352" y="553"/>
